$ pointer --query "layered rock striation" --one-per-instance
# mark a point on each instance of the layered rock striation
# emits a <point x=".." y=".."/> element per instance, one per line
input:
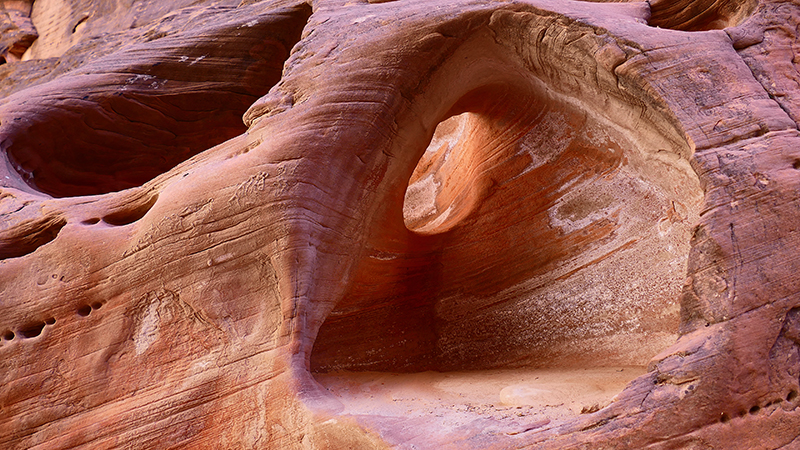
<point x="412" y="224"/>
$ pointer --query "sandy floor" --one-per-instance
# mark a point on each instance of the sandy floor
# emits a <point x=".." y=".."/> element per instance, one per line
<point x="499" y="401"/>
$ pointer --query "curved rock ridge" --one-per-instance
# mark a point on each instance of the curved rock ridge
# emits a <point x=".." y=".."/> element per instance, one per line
<point x="700" y="15"/>
<point x="404" y="224"/>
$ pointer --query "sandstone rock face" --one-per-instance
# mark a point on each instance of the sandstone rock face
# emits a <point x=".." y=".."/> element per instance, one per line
<point x="403" y="224"/>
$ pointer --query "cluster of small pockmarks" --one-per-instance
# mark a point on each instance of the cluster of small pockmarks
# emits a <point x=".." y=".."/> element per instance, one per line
<point x="36" y="328"/>
<point x="86" y="309"/>
<point x="789" y="402"/>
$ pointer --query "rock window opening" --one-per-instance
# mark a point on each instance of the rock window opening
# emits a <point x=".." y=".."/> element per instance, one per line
<point x="545" y="242"/>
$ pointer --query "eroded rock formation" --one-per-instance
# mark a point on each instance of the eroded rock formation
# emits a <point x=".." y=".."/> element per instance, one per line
<point x="412" y="224"/>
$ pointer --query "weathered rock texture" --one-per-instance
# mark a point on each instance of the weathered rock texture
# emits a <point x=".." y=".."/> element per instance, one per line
<point x="413" y="224"/>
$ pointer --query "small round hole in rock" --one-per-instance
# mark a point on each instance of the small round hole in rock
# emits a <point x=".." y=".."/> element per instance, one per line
<point x="84" y="310"/>
<point x="132" y="211"/>
<point x="724" y="418"/>
<point x="8" y="335"/>
<point x="50" y="321"/>
<point x="97" y="305"/>
<point x="791" y="396"/>
<point x="32" y="330"/>
<point x="755" y="409"/>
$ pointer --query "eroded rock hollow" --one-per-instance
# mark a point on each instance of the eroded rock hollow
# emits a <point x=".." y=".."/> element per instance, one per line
<point x="399" y="224"/>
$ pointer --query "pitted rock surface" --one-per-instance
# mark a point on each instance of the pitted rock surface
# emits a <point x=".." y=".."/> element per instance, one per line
<point x="403" y="224"/>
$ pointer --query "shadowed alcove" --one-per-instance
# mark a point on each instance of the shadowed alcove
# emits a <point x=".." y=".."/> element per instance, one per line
<point x="700" y="15"/>
<point x="86" y="137"/>
<point x="543" y="241"/>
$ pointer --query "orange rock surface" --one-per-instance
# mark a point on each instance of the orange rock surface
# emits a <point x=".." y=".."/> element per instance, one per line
<point x="415" y="224"/>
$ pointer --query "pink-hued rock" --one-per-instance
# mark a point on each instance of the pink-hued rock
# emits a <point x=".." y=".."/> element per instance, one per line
<point x="404" y="224"/>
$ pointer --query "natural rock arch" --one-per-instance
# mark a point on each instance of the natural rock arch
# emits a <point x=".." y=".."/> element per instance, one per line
<point x="188" y="311"/>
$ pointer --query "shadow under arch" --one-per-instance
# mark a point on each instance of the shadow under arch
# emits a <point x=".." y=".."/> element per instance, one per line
<point x="546" y="230"/>
<point x="546" y="238"/>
